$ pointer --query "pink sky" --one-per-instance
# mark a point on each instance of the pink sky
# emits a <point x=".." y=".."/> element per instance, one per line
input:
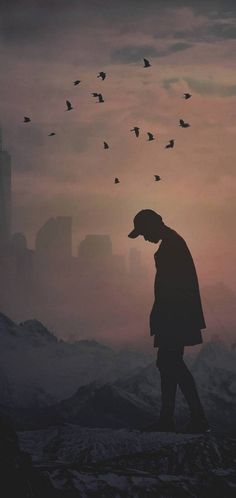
<point x="72" y="174"/>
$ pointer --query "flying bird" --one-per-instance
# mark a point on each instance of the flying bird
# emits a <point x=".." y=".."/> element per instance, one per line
<point x="101" y="75"/>
<point x="157" y="178"/>
<point x="171" y="144"/>
<point x="117" y="180"/>
<point x="136" y="131"/>
<point x="106" y="146"/>
<point x="146" y="63"/>
<point x="99" y="95"/>
<point x="100" y="98"/>
<point x="187" y="96"/>
<point x="77" y="82"/>
<point x="150" y="136"/>
<point x="69" y="106"/>
<point x="183" y="124"/>
<point x="52" y="134"/>
<point x="26" y="119"/>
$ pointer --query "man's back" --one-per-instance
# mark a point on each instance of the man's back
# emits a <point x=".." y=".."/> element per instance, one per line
<point x="178" y="309"/>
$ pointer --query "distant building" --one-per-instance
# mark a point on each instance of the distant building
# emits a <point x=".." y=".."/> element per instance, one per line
<point x="119" y="265"/>
<point x="95" y="247"/>
<point x="54" y="239"/>
<point x="18" y="243"/>
<point x="95" y="255"/>
<point x="5" y="197"/>
<point x="23" y="263"/>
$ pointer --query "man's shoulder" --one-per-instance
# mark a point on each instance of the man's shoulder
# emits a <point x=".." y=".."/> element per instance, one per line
<point x="173" y="245"/>
<point x="174" y="238"/>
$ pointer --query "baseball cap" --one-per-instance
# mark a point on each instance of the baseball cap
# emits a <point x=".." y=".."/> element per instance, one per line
<point x="143" y="219"/>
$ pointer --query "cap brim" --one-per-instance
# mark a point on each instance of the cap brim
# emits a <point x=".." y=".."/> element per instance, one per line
<point x="134" y="234"/>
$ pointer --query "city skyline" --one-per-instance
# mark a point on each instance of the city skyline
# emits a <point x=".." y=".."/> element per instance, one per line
<point x="191" y="49"/>
<point x="59" y="165"/>
<point x="50" y="228"/>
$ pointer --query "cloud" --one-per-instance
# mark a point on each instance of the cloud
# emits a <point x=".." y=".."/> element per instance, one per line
<point x="177" y="47"/>
<point x="133" y="53"/>
<point x="224" y="31"/>
<point x="168" y="82"/>
<point x="209" y="32"/>
<point x="210" y="87"/>
<point x="203" y="87"/>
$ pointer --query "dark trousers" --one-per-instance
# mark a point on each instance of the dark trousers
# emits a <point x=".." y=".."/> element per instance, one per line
<point x="174" y="372"/>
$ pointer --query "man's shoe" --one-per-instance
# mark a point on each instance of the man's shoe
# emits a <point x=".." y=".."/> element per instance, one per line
<point x="198" y="426"/>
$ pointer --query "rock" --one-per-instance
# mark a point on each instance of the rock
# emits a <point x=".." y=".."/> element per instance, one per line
<point x="88" y="462"/>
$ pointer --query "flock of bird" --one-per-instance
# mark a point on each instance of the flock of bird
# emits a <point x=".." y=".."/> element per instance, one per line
<point x="136" y="130"/>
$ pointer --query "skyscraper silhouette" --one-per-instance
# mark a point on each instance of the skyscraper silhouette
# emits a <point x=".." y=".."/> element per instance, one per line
<point x="95" y="248"/>
<point x="54" y="239"/>
<point x="5" y="197"/>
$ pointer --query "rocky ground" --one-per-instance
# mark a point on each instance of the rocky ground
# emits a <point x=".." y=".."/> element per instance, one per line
<point x="84" y="462"/>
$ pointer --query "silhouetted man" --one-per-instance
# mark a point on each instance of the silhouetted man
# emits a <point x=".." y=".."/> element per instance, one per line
<point x="176" y="318"/>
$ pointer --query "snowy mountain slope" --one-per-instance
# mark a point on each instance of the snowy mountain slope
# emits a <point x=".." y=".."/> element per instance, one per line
<point x="134" y="398"/>
<point x="38" y="366"/>
<point x="120" y="463"/>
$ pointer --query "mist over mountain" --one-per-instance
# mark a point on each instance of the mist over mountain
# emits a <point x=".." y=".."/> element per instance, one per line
<point x="45" y="381"/>
<point x="134" y="399"/>
<point x="39" y="369"/>
<point x="220" y="305"/>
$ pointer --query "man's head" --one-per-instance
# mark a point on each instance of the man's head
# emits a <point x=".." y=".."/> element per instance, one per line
<point x="149" y="224"/>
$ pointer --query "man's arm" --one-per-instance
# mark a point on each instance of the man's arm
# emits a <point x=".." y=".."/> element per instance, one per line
<point x="153" y="320"/>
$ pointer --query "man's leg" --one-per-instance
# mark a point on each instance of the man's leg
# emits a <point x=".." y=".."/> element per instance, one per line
<point x="187" y="385"/>
<point x="168" y="362"/>
<point x="174" y="372"/>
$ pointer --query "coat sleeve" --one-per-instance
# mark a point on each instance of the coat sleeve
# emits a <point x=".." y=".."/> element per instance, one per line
<point x="153" y="322"/>
<point x="177" y="309"/>
<point x="177" y="296"/>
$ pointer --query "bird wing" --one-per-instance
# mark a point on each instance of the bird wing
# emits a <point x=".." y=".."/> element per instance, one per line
<point x="146" y="62"/>
<point x="181" y="121"/>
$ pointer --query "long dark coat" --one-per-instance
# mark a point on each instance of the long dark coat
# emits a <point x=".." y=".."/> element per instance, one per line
<point x="177" y="317"/>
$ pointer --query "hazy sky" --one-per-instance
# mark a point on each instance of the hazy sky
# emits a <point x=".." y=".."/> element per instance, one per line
<point x="46" y="45"/>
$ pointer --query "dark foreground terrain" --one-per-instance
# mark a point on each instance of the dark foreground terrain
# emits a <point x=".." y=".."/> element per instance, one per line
<point x="78" y="409"/>
<point x="73" y="461"/>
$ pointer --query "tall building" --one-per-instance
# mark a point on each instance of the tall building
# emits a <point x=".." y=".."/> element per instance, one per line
<point x="18" y="243"/>
<point x="54" y="239"/>
<point x="95" y="255"/>
<point x="95" y="248"/>
<point x="5" y="197"/>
